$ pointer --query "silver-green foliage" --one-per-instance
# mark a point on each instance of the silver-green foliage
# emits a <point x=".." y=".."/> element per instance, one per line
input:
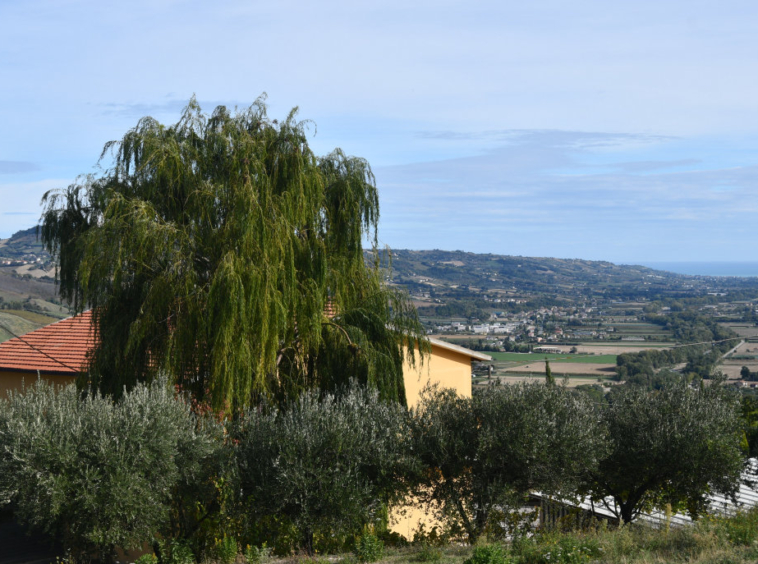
<point x="672" y="446"/>
<point x="325" y="464"/>
<point x="95" y="473"/>
<point x="480" y="454"/>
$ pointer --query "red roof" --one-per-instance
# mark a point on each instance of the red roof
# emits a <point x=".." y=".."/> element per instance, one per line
<point x="60" y="348"/>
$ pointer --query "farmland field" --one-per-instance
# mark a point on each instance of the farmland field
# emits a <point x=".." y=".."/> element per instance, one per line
<point x="18" y="322"/>
<point x="619" y="347"/>
<point x="560" y="369"/>
<point x="742" y="329"/>
<point x="38" y="318"/>
<point x="573" y="378"/>
<point x="11" y="325"/>
<point x="526" y="358"/>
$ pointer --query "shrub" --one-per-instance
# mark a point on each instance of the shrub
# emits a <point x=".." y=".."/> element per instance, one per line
<point x="483" y="454"/>
<point x="257" y="555"/>
<point x="147" y="559"/>
<point x="325" y="465"/>
<point x="428" y="553"/>
<point x="742" y="529"/>
<point x="226" y="550"/>
<point x="94" y="473"/>
<point x="176" y="552"/>
<point x="489" y="554"/>
<point x="558" y="548"/>
<point x="369" y="548"/>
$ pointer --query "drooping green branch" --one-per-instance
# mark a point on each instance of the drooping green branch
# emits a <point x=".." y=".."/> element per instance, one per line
<point x="208" y="247"/>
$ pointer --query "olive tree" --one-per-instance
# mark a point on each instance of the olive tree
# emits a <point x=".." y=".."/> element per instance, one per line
<point x="480" y="453"/>
<point x="97" y="474"/>
<point x="222" y="251"/>
<point x="672" y="446"/>
<point x="327" y="465"/>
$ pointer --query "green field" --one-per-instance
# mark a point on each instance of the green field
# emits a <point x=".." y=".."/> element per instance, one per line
<point x="536" y="357"/>
<point x="628" y="344"/>
<point x="18" y="322"/>
<point x="639" y="328"/>
<point x="32" y="316"/>
<point x="12" y="325"/>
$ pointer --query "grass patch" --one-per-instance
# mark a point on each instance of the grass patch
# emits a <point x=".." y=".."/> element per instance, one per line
<point x="11" y="325"/>
<point x="709" y="541"/>
<point x="712" y="540"/>
<point x="525" y="358"/>
<point x="38" y="318"/>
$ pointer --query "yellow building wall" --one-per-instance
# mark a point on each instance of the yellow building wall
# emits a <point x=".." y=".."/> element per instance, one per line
<point x="15" y="380"/>
<point x="447" y="369"/>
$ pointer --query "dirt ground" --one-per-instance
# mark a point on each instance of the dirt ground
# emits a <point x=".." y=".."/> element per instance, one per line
<point x="35" y="272"/>
<point x="732" y="371"/>
<point x="572" y="381"/>
<point x="731" y="367"/>
<point x="742" y="329"/>
<point x="604" y="349"/>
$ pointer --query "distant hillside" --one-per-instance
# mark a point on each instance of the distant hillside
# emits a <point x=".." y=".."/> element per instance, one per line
<point x="23" y="245"/>
<point x="28" y="295"/>
<point x="470" y="280"/>
<point x="567" y="278"/>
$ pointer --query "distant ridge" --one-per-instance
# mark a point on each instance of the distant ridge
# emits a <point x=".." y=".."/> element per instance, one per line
<point x="710" y="268"/>
<point x="23" y="243"/>
<point x="569" y="278"/>
<point x="459" y="273"/>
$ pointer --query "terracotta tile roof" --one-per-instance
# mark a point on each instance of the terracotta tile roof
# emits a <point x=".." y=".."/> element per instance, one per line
<point x="59" y="348"/>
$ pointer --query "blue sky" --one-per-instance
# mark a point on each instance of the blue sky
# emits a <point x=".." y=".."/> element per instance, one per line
<point x="585" y="129"/>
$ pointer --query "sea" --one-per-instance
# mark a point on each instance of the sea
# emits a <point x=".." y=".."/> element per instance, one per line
<point x="741" y="269"/>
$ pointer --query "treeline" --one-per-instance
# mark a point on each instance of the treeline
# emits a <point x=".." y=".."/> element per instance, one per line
<point x="710" y="341"/>
<point x="26" y="305"/>
<point x="488" y="346"/>
<point x="466" y="309"/>
<point x="315" y="474"/>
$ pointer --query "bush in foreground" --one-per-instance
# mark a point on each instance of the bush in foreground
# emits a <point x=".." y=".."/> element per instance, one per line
<point x="671" y="446"/>
<point x="94" y="473"/>
<point x="482" y="455"/>
<point x="322" y="467"/>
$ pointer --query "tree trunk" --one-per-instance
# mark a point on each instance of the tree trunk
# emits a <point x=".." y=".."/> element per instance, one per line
<point x="308" y="542"/>
<point x="627" y="512"/>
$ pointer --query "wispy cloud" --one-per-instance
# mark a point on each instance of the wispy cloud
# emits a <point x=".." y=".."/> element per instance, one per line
<point x="540" y="184"/>
<point x="649" y="166"/>
<point x="17" y="167"/>
<point x="171" y="106"/>
<point x="547" y="137"/>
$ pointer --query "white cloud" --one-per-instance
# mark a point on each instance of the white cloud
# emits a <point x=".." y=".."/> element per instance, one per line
<point x="513" y="201"/>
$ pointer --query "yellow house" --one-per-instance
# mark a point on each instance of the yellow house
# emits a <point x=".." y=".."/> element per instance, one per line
<point x="448" y="366"/>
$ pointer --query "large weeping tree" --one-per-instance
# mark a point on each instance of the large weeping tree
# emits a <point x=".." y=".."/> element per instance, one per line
<point x="222" y="251"/>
